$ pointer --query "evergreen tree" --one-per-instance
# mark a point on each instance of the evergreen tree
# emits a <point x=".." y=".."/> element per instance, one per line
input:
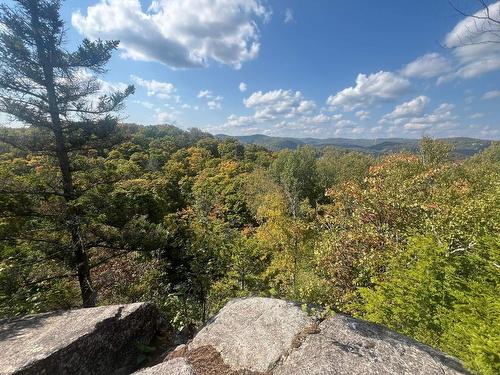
<point x="55" y="93"/>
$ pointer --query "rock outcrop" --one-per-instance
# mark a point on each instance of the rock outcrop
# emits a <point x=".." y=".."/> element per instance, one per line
<point x="253" y="333"/>
<point x="344" y="345"/>
<point x="177" y="366"/>
<point x="269" y="336"/>
<point x="86" y="341"/>
<point x="248" y="336"/>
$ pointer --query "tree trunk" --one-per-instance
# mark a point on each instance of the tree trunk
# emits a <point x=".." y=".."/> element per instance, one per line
<point x="80" y="257"/>
<point x="83" y="267"/>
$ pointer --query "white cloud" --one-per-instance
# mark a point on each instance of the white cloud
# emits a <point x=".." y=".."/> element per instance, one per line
<point x="164" y="117"/>
<point x="110" y="87"/>
<point x="363" y="115"/>
<point x="145" y="104"/>
<point x="345" y="123"/>
<point x="320" y="118"/>
<point x="488" y="132"/>
<point x="288" y="15"/>
<point x="440" y="119"/>
<point x="284" y="112"/>
<point x="427" y="66"/>
<point x="275" y="103"/>
<point x="242" y="87"/>
<point x="162" y="90"/>
<point x="491" y="94"/>
<point x="278" y="108"/>
<point x="178" y="33"/>
<point x="377" y="87"/>
<point x="9" y="121"/>
<point x="414" y="107"/>
<point x="474" y="69"/>
<point x="476" y="115"/>
<point x="471" y="40"/>
<point x="213" y="102"/>
<point x="105" y="87"/>
<point x="204" y="94"/>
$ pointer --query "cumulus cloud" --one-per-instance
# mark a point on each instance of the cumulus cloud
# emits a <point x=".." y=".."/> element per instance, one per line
<point x="164" y="117"/>
<point x="279" y="108"/>
<point x="441" y="118"/>
<point x="363" y="115"/>
<point x="414" y="107"/>
<point x="376" y="87"/>
<point x="213" y="102"/>
<point x="491" y="94"/>
<point x="473" y="69"/>
<point x="284" y="111"/>
<point x="235" y="121"/>
<point x="104" y="87"/>
<point x="204" y="94"/>
<point x="162" y="90"/>
<point x="319" y="125"/>
<point x="322" y="118"/>
<point x="274" y="103"/>
<point x="471" y="41"/>
<point x="427" y="66"/>
<point x="110" y="87"/>
<point x="276" y="113"/>
<point x="178" y="33"/>
<point x="242" y="87"/>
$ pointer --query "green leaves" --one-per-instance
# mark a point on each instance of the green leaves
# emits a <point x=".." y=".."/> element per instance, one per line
<point x="445" y="297"/>
<point x="93" y="54"/>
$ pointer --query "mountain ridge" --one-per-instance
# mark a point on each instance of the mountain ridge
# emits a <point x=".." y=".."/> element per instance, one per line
<point x="463" y="146"/>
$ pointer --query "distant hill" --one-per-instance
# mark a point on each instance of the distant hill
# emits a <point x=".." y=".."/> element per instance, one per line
<point x="462" y="146"/>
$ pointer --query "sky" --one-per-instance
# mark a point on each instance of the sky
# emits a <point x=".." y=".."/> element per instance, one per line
<point x="322" y="68"/>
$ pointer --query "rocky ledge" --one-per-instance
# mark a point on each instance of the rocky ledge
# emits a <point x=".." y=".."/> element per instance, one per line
<point x="271" y="336"/>
<point x="248" y="336"/>
<point x="100" y="340"/>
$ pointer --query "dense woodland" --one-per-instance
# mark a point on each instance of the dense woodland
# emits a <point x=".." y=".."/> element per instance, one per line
<point x="189" y="221"/>
<point x="97" y="212"/>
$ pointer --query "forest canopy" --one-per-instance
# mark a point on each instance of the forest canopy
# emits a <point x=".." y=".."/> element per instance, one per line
<point x="190" y="221"/>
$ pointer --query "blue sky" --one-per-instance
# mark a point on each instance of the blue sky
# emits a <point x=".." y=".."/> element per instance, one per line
<point x="322" y="68"/>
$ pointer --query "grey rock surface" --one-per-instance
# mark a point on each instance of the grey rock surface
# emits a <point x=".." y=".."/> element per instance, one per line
<point x="248" y="336"/>
<point x="348" y="346"/>
<point x="253" y="333"/>
<point x="176" y="366"/>
<point x="86" y="341"/>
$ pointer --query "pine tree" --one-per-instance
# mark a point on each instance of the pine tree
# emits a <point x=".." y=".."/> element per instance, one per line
<point x="55" y="93"/>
